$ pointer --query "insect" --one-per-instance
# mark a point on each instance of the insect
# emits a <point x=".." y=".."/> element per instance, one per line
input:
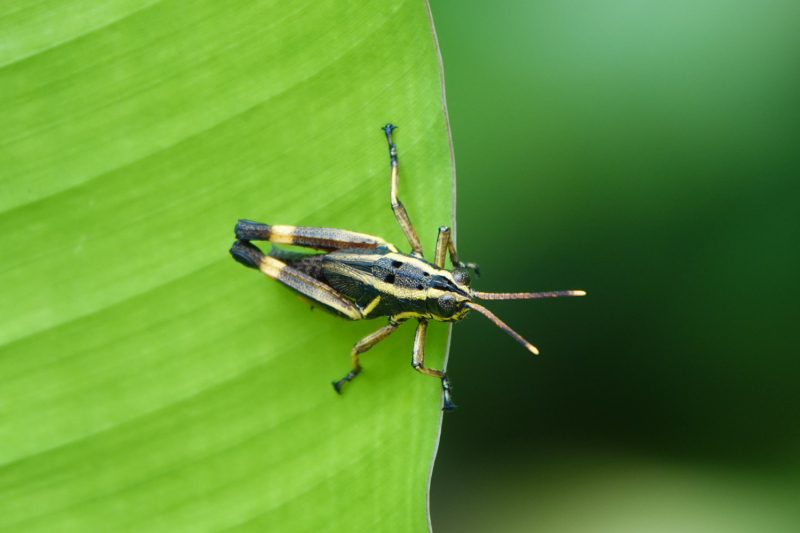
<point x="357" y="276"/>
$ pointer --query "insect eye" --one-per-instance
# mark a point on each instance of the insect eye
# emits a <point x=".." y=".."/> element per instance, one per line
<point x="461" y="276"/>
<point x="447" y="304"/>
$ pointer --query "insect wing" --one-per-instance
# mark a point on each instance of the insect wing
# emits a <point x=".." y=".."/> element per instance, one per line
<point x="350" y="273"/>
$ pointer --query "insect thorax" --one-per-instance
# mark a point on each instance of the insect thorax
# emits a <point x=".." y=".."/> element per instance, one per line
<point x="387" y="283"/>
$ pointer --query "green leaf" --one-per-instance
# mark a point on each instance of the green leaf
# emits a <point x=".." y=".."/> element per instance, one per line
<point x="147" y="381"/>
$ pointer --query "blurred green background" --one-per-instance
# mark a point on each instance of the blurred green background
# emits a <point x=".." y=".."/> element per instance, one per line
<point x="646" y="152"/>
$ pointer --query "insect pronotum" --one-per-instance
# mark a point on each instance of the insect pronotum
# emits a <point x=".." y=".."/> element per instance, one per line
<point x="357" y="276"/>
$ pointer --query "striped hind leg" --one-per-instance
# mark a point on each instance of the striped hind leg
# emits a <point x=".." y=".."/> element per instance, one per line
<point x="327" y="239"/>
<point x="312" y="290"/>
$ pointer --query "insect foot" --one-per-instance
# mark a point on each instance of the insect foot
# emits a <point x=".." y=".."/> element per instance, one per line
<point x="448" y="400"/>
<point x="337" y="385"/>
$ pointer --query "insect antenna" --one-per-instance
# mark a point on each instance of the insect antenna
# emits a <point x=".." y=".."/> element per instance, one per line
<point x="502" y="325"/>
<point x="524" y="295"/>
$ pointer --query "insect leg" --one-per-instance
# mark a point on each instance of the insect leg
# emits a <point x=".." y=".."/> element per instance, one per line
<point x="327" y="239"/>
<point x="314" y="291"/>
<point x="362" y="346"/>
<point x="444" y="242"/>
<point x="397" y="206"/>
<point x="418" y="362"/>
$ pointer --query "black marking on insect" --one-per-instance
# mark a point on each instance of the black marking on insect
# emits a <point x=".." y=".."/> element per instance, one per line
<point x="358" y="276"/>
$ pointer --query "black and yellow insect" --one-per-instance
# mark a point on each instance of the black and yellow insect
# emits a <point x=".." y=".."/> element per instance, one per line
<point x="358" y="276"/>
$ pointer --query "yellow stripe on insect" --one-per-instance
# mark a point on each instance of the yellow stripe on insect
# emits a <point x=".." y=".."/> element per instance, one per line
<point x="308" y="286"/>
<point x="409" y="314"/>
<point x="372" y="305"/>
<point x="271" y="266"/>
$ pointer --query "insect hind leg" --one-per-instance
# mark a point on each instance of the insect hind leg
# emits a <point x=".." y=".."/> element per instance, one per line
<point x="327" y="239"/>
<point x="247" y="254"/>
<point x="309" y="289"/>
